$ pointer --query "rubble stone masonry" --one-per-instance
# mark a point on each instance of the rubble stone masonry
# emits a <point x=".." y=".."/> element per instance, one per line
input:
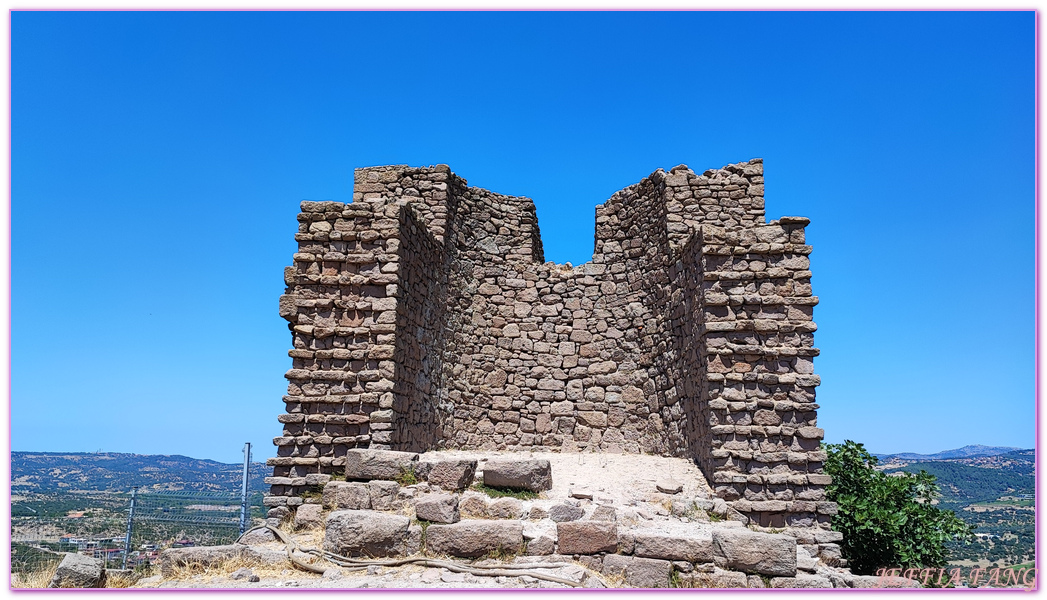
<point x="424" y="316"/>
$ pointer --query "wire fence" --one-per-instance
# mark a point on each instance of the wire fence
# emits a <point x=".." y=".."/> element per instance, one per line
<point x="125" y="529"/>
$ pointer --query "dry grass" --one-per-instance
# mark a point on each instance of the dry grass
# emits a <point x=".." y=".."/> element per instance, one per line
<point x="309" y="538"/>
<point x="121" y="580"/>
<point x="39" y="578"/>
<point x="223" y="569"/>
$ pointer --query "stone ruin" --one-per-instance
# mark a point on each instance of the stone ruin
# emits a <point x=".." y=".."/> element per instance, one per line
<point x="424" y="317"/>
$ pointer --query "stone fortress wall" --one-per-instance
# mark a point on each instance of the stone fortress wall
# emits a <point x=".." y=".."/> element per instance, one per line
<point x="424" y="316"/>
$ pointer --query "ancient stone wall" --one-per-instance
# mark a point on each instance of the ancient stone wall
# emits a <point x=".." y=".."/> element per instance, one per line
<point x="425" y="317"/>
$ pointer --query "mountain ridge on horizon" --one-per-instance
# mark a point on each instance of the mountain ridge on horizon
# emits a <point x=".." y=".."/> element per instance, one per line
<point x="254" y="458"/>
<point x="968" y="451"/>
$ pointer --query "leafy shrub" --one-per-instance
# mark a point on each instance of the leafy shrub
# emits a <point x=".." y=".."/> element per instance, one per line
<point x="887" y="520"/>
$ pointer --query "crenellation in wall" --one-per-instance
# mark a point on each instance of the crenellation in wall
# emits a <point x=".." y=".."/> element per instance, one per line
<point x="424" y="316"/>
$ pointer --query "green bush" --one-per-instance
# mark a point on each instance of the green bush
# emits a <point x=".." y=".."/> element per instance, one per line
<point x="887" y="521"/>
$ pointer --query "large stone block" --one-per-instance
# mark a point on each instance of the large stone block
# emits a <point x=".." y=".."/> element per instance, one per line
<point x="79" y="571"/>
<point x="534" y="475"/>
<point x="365" y="464"/>
<point x="366" y="533"/>
<point x="587" y="537"/>
<point x="452" y="474"/>
<point x="755" y="552"/>
<point x="342" y="495"/>
<point x="307" y="516"/>
<point x="638" y="572"/>
<point x="384" y="495"/>
<point x="668" y="547"/>
<point x="505" y="508"/>
<point x="471" y="539"/>
<point x="437" y="508"/>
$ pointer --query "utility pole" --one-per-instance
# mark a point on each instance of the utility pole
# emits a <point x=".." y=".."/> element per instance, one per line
<point x="243" y="490"/>
<point x="130" y="524"/>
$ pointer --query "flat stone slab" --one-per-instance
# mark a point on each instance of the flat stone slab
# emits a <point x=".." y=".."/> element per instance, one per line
<point x="877" y="582"/>
<point x="563" y="512"/>
<point x="366" y="533"/>
<point x="451" y="475"/>
<point x="668" y="547"/>
<point x="384" y="495"/>
<point x="534" y="474"/>
<point x="366" y="465"/>
<point x="437" y="508"/>
<point x="668" y="486"/>
<point x="79" y="571"/>
<point x="307" y="516"/>
<point x="587" y="537"/>
<point x="755" y="552"/>
<point x="474" y="538"/>
<point x="638" y="572"/>
<point x="346" y="495"/>
<point x="801" y="581"/>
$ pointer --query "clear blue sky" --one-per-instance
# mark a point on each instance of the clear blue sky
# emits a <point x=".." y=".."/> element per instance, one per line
<point x="158" y="160"/>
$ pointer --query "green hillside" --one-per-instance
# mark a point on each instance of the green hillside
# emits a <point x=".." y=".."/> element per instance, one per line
<point x="963" y="484"/>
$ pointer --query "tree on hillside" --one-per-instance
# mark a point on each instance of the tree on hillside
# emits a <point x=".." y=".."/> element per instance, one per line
<point x="887" y="520"/>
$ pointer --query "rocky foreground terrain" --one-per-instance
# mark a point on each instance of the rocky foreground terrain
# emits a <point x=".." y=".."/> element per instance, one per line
<point x="462" y="520"/>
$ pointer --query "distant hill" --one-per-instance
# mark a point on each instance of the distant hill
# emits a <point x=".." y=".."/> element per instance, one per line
<point x="45" y="472"/>
<point x="970" y="451"/>
<point x="963" y="484"/>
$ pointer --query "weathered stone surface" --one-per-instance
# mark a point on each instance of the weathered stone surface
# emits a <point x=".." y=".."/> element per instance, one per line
<point x="718" y="578"/>
<point x="801" y="581"/>
<point x="876" y="582"/>
<point x="587" y="537"/>
<point x="366" y="533"/>
<point x="258" y="536"/>
<point x="414" y="539"/>
<point x="79" y="571"/>
<point x="537" y="512"/>
<point x="540" y="546"/>
<point x="307" y="516"/>
<point x="668" y="486"/>
<point x="452" y="474"/>
<point x="437" y="508"/>
<point x="755" y="581"/>
<point x="603" y="513"/>
<point x="691" y="549"/>
<point x="638" y="572"/>
<point x="471" y="539"/>
<point x="534" y="474"/>
<point x="755" y="552"/>
<point x="351" y="495"/>
<point x="366" y="464"/>
<point x="280" y="513"/>
<point x="804" y="560"/>
<point x="384" y="495"/>
<point x="473" y="506"/>
<point x="564" y="512"/>
<point x="505" y="508"/>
